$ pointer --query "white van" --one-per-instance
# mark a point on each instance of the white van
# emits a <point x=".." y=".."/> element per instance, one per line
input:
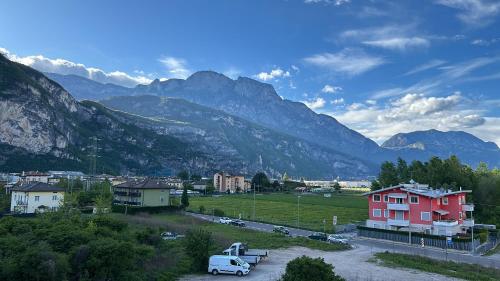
<point x="228" y="265"/>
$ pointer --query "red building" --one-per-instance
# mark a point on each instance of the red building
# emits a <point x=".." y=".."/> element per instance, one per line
<point x="419" y="208"/>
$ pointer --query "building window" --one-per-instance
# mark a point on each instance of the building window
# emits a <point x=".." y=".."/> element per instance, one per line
<point x="377" y="213"/>
<point x="414" y="199"/>
<point x="54" y="197"/>
<point x="161" y="199"/>
<point x="37" y="198"/>
<point x="386" y="213"/>
<point x="445" y="200"/>
<point x="460" y="215"/>
<point x="376" y="197"/>
<point x="386" y="198"/>
<point x="425" y="216"/>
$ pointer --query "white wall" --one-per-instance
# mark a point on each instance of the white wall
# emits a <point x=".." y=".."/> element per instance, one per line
<point x="45" y="199"/>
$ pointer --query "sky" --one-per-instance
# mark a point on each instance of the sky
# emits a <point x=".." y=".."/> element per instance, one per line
<point x="379" y="67"/>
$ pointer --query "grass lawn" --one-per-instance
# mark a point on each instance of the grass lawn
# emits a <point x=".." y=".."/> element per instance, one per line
<point x="281" y="209"/>
<point x="448" y="268"/>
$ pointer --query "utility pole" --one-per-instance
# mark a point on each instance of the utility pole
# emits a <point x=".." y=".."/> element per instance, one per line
<point x="254" y="201"/>
<point x="472" y="232"/>
<point x="93" y="159"/>
<point x="298" y="211"/>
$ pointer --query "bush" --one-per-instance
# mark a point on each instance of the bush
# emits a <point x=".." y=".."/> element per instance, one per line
<point x="218" y="212"/>
<point x="202" y="209"/>
<point x="306" y="268"/>
<point x="150" y="210"/>
<point x="198" y="244"/>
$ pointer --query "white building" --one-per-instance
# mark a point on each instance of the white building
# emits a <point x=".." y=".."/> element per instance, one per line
<point x="31" y="177"/>
<point x="36" y="197"/>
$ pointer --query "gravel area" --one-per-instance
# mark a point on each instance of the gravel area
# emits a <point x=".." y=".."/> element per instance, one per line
<point x="352" y="265"/>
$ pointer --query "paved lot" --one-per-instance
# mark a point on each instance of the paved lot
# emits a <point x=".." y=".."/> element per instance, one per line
<point x="352" y="265"/>
<point x="436" y="253"/>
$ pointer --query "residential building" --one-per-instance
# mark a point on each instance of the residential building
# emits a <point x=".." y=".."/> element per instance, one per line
<point x="200" y="185"/>
<point x="36" y="197"/>
<point x="31" y="177"/>
<point x="419" y="208"/>
<point x="178" y="183"/>
<point x="144" y="193"/>
<point x="224" y="182"/>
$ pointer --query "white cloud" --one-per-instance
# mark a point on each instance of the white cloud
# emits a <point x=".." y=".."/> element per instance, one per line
<point x="338" y="101"/>
<point x="474" y="12"/>
<point x="331" y="89"/>
<point x="426" y="66"/>
<point x="232" y="72"/>
<point x="316" y="103"/>
<point x="348" y="61"/>
<point x="273" y="74"/>
<point x="480" y="42"/>
<point x="177" y="67"/>
<point x="334" y="2"/>
<point x="418" y="112"/>
<point x="371" y="102"/>
<point x="399" y="43"/>
<point x="62" y="66"/>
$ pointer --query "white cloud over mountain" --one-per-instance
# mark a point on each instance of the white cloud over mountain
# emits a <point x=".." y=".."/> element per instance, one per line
<point x="474" y="12"/>
<point x="62" y="66"/>
<point x="273" y="74"/>
<point x="176" y="67"/>
<point x="348" y="61"/>
<point x="316" y="103"/>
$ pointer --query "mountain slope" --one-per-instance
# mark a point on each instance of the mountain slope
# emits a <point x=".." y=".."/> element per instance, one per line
<point x="249" y="99"/>
<point x="43" y="127"/>
<point x="424" y="144"/>
<point x="236" y="140"/>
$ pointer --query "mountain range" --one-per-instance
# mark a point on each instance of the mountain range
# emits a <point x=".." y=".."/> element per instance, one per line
<point x="205" y="123"/>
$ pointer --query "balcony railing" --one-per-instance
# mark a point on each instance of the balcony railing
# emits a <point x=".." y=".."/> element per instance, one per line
<point x="120" y="193"/>
<point x="398" y="207"/>
<point x="445" y="223"/>
<point x="468" y="223"/>
<point x="468" y="207"/>
<point x="398" y="222"/>
<point x="21" y="203"/>
<point x="135" y="194"/>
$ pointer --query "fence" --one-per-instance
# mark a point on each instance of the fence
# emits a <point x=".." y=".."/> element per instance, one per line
<point x="458" y="243"/>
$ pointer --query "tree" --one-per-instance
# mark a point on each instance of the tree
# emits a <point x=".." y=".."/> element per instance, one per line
<point x="210" y="187"/>
<point x="403" y="173"/>
<point x="336" y="186"/>
<point x="306" y="268"/>
<point x="260" y="180"/>
<point x="276" y="185"/>
<point x="388" y="175"/>
<point x="185" y="198"/>
<point x="197" y="245"/>
<point x="375" y="185"/>
<point x="183" y="175"/>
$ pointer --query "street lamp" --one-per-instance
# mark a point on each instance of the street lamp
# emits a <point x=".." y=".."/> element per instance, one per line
<point x="254" y="201"/>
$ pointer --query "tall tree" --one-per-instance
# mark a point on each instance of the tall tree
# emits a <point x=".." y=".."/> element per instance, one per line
<point x="185" y="198"/>
<point x="183" y="175"/>
<point x="388" y="174"/>
<point x="403" y="173"/>
<point x="260" y="180"/>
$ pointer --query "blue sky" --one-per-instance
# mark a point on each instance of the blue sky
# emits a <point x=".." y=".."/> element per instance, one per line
<point x="380" y="67"/>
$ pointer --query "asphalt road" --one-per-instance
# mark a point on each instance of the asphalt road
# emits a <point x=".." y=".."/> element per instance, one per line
<point x="378" y="245"/>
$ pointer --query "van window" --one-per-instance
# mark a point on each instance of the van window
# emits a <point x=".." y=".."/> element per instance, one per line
<point x="233" y="262"/>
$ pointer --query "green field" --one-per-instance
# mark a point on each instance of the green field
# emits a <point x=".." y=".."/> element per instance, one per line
<point x="281" y="209"/>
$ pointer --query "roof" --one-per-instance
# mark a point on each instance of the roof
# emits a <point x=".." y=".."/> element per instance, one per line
<point x="423" y="190"/>
<point x="145" y="184"/>
<point x="38" y="187"/>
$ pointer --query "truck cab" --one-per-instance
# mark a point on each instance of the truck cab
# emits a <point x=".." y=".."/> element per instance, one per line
<point x="220" y="264"/>
<point x="251" y="256"/>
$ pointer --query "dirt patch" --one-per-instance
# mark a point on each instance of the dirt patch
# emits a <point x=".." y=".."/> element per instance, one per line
<point x="352" y="265"/>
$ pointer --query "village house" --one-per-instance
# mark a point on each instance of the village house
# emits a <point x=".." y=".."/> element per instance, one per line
<point x="144" y="193"/>
<point x="224" y="182"/>
<point x="419" y="208"/>
<point x="31" y="177"/>
<point x="36" y="197"/>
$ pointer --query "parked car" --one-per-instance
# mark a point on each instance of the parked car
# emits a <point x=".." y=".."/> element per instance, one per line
<point x="170" y="236"/>
<point x="335" y="238"/>
<point x="281" y="229"/>
<point x="318" y="236"/>
<point x="228" y="265"/>
<point x="225" y="220"/>
<point x="238" y="223"/>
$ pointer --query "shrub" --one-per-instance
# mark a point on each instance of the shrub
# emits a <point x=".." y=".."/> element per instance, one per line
<point x="197" y="245"/>
<point x="306" y="268"/>
<point x="202" y="209"/>
<point x="219" y="213"/>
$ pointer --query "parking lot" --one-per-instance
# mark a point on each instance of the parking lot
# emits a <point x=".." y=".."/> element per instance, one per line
<point x="352" y="265"/>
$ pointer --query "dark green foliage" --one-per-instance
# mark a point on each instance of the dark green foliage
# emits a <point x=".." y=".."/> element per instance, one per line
<point x="218" y="212"/>
<point x="61" y="246"/>
<point x="202" y="209"/>
<point x="375" y="185"/>
<point x="131" y="210"/>
<point x="198" y="244"/>
<point x="195" y="177"/>
<point x="336" y="186"/>
<point x="388" y="174"/>
<point x="403" y="172"/>
<point x="185" y="198"/>
<point x="183" y="175"/>
<point x="306" y="268"/>
<point x="260" y="181"/>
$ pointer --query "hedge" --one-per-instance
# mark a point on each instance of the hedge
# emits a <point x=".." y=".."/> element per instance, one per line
<point x="151" y="210"/>
<point x="419" y="234"/>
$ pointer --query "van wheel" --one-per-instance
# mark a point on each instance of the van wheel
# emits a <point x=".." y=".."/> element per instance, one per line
<point x="239" y="273"/>
<point x="215" y="272"/>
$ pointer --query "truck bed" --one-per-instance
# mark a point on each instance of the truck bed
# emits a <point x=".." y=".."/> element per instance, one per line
<point x="257" y="252"/>
<point x="251" y="259"/>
